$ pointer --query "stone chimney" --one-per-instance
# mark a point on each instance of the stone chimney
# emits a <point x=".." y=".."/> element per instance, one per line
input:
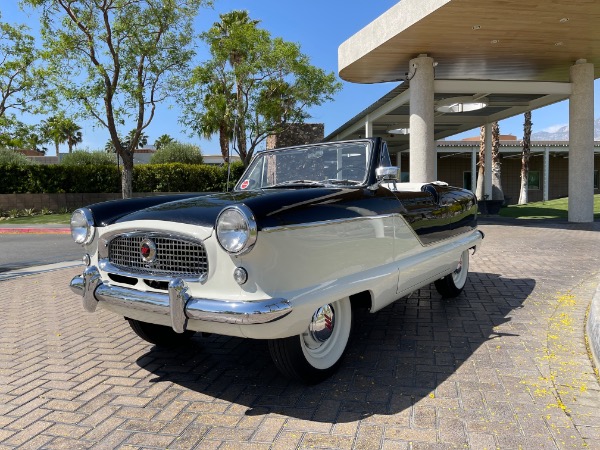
<point x="297" y="134"/>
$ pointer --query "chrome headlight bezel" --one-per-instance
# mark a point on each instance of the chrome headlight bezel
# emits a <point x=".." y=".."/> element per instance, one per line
<point x="82" y="226"/>
<point x="236" y="229"/>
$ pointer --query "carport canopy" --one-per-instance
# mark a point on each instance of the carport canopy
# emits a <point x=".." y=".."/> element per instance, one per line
<point x="510" y="56"/>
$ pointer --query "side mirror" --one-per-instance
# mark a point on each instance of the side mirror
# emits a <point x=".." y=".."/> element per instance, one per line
<point x="387" y="173"/>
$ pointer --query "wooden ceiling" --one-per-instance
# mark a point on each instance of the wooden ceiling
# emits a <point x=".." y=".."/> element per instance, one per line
<point x="476" y="39"/>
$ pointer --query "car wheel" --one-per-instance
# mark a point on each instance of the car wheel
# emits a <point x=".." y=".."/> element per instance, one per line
<point x="452" y="284"/>
<point x="159" y="334"/>
<point x="315" y="354"/>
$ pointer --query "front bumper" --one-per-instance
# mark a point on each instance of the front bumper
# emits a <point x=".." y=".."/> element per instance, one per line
<point x="177" y="303"/>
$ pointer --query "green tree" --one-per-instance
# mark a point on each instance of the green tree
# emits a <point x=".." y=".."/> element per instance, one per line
<point x="177" y="152"/>
<point x="21" y="77"/>
<point x="252" y="86"/>
<point x="141" y="141"/>
<point x="163" y="140"/>
<point x="11" y="157"/>
<point x="84" y="158"/>
<point x="120" y="55"/>
<point x="24" y="137"/>
<point x="60" y="129"/>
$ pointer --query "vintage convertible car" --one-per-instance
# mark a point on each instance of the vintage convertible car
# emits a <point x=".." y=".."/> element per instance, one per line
<point x="308" y="234"/>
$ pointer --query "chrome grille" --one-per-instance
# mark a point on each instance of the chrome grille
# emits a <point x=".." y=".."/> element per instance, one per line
<point x="175" y="256"/>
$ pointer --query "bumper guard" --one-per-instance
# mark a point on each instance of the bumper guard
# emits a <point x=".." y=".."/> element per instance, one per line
<point x="177" y="304"/>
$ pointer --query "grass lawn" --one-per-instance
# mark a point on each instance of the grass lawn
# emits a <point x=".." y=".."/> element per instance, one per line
<point x="47" y="219"/>
<point x="553" y="209"/>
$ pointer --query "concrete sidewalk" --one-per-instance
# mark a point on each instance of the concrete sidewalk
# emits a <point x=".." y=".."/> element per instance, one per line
<point x="505" y="365"/>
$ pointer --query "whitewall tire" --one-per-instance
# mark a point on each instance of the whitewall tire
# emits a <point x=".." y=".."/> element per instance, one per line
<point x="453" y="284"/>
<point x="315" y="354"/>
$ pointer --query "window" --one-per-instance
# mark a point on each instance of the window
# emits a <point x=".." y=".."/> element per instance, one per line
<point x="596" y="180"/>
<point x="467" y="180"/>
<point x="533" y="181"/>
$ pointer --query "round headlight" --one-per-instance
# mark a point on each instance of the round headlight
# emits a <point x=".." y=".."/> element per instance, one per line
<point x="82" y="226"/>
<point x="236" y="229"/>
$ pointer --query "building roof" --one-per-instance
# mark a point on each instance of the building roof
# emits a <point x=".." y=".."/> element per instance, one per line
<point x="531" y="40"/>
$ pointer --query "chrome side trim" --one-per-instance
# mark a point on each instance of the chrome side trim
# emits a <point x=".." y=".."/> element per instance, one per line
<point x="326" y="222"/>
<point x="177" y="303"/>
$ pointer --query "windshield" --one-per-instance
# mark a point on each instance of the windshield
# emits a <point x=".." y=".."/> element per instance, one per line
<point x="343" y="163"/>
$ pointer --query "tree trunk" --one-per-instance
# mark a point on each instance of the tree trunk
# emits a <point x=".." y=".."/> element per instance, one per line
<point x="127" y="174"/>
<point x="224" y="142"/>
<point x="525" y="154"/>
<point x="481" y="165"/>
<point x="497" y="193"/>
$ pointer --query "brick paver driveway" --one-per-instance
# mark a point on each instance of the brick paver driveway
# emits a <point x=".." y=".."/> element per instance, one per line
<point x="503" y="366"/>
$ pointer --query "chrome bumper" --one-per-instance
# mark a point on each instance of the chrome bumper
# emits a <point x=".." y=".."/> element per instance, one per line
<point x="177" y="304"/>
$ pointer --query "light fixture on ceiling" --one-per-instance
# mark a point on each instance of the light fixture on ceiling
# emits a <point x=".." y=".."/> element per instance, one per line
<point x="460" y="104"/>
<point x="558" y="44"/>
<point x="476" y="27"/>
<point x="564" y="20"/>
<point x="495" y="41"/>
<point x="399" y="131"/>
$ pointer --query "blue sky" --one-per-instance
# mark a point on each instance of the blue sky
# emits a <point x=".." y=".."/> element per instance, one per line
<point x="319" y="27"/>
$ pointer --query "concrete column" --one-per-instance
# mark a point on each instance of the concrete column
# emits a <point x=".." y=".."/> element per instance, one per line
<point x="546" y="173"/>
<point x="399" y="162"/>
<point x="423" y="158"/>
<point x="368" y="127"/>
<point x="474" y="153"/>
<point x="487" y="176"/>
<point x="581" y="142"/>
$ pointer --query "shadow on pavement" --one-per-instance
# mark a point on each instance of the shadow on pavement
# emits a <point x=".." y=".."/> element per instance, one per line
<point x="397" y="357"/>
<point x="562" y="224"/>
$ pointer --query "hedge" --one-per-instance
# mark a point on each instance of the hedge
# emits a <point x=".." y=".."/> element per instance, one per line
<point x="173" y="177"/>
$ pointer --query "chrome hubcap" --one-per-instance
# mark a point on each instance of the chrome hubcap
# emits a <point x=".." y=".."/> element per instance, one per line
<point x="321" y="327"/>
<point x="459" y="267"/>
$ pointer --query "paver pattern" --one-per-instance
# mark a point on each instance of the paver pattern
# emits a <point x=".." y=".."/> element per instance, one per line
<point x="503" y="366"/>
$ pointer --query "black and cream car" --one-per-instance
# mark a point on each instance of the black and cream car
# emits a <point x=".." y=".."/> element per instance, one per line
<point x="308" y="234"/>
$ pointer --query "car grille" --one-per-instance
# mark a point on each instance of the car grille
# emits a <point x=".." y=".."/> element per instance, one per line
<point x="175" y="256"/>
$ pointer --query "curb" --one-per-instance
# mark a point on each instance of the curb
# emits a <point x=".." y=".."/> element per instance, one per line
<point x="593" y="328"/>
<point x="34" y="270"/>
<point x="31" y="230"/>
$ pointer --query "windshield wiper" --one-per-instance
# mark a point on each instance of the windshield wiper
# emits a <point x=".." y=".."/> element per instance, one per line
<point x="295" y="183"/>
<point x="336" y="181"/>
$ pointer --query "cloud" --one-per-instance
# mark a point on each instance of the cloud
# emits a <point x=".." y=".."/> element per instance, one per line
<point x="555" y="128"/>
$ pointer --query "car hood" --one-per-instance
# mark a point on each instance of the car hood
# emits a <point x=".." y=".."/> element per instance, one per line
<point x="273" y="208"/>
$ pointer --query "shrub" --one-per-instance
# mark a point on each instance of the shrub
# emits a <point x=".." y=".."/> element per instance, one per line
<point x="176" y="152"/>
<point x="84" y="158"/>
<point x="175" y="177"/>
<point x="12" y="157"/>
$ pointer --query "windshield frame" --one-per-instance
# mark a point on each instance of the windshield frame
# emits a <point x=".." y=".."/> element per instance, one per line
<point x="244" y="183"/>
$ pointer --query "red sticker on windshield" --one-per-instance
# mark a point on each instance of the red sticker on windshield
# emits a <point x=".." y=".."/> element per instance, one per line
<point x="245" y="184"/>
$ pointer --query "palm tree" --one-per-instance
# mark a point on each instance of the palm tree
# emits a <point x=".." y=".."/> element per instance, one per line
<point x="481" y="165"/>
<point x="497" y="193"/>
<point x="525" y="154"/>
<point x="218" y="115"/>
<point x="72" y="133"/>
<point x="163" y="140"/>
<point x="51" y="130"/>
<point x="142" y="140"/>
<point x="60" y="129"/>
<point x="234" y="23"/>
